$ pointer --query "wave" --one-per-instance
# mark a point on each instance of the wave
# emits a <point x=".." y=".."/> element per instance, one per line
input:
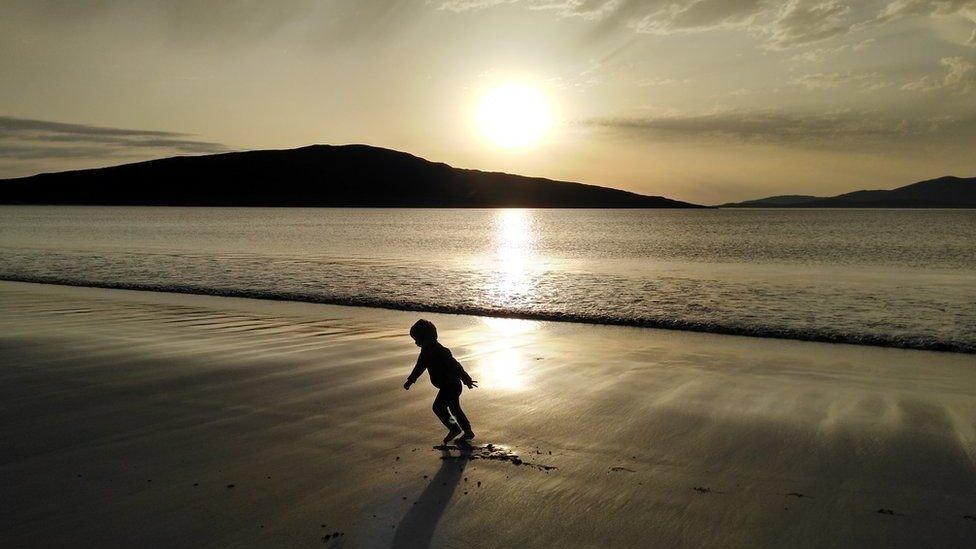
<point x="922" y="343"/>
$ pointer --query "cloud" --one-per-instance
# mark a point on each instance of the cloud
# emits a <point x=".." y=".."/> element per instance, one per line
<point x="29" y="139"/>
<point x="960" y="78"/>
<point x="700" y="16"/>
<point x="961" y="75"/>
<point x="803" y="22"/>
<point x="660" y="82"/>
<point x="780" y="25"/>
<point x="840" y="129"/>
<point x="797" y="22"/>
<point x="469" y="5"/>
<point x="831" y="80"/>
<point x="233" y="24"/>
<point x="591" y="9"/>
<point x="817" y="55"/>
<point x="900" y="9"/>
<point x="247" y="18"/>
<point x="645" y="16"/>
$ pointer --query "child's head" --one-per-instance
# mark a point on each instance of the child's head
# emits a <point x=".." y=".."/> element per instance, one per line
<point x="423" y="332"/>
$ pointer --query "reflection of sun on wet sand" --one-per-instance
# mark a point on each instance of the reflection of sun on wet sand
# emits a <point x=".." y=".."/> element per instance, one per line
<point x="127" y="416"/>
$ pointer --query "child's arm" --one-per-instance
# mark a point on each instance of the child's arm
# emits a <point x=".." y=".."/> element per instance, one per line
<point x="465" y="378"/>
<point x="417" y="370"/>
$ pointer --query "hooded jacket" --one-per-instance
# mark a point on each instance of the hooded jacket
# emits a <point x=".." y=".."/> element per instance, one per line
<point x="444" y="370"/>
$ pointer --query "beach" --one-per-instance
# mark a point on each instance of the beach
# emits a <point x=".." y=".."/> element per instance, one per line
<point x="158" y="419"/>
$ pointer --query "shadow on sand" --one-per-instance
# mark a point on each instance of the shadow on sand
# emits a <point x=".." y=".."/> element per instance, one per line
<point x="418" y="525"/>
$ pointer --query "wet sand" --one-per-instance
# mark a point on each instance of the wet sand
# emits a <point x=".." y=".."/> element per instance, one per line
<point x="167" y="420"/>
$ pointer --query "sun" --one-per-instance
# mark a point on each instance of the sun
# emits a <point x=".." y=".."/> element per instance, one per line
<point x="514" y="116"/>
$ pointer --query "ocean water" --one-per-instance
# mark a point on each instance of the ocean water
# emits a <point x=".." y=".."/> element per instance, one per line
<point x="900" y="278"/>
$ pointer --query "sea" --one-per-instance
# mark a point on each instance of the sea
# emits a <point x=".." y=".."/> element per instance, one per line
<point x="896" y="278"/>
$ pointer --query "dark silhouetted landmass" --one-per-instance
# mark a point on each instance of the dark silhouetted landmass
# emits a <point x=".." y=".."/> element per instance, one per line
<point x="318" y="175"/>
<point x="774" y="201"/>
<point x="944" y="192"/>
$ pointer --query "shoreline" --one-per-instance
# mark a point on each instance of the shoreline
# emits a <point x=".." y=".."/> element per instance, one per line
<point x="917" y="343"/>
<point x="177" y="420"/>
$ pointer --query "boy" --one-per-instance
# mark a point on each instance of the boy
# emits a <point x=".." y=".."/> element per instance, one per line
<point x="446" y="374"/>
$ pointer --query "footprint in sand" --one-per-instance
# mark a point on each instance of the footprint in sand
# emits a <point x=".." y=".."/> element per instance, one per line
<point x="334" y="535"/>
<point x="488" y="452"/>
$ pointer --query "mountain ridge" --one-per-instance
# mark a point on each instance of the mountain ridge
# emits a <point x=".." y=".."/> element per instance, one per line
<point x="942" y="192"/>
<point x="315" y="176"/>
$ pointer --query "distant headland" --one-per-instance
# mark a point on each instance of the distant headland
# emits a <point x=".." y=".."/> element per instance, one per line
<point x="313" y="176"/>
<point x="944" y="192"/>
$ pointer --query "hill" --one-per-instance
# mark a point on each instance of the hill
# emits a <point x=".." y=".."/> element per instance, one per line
<point x="944" y="192"/>
<point x="779" y="201"/>
<point x="317" y="175"/>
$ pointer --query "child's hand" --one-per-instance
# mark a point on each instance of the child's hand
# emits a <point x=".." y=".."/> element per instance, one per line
<point x="472" y="384"/>
<point x="407" y="384"/>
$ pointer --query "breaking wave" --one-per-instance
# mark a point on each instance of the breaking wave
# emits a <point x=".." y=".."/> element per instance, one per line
<point x="919" y="342"/>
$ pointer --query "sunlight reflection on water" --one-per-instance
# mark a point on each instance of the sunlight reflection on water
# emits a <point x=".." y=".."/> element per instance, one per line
<point x="502" y="361"/>
<point x="514" y="253"/>
<point x="889" y="277"/>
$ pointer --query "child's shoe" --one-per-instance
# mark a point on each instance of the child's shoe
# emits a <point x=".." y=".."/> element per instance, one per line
<point x="455" y="431"/>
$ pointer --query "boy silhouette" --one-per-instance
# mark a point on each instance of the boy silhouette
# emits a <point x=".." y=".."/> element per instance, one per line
<point x="446" y="374"/>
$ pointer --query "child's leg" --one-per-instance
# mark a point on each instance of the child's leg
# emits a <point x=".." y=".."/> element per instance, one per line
<point x="455" y="408"/>
<point x="441" y="403"/>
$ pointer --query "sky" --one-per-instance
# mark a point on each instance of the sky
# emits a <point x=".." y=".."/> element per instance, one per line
<point x="707" y="101"/>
